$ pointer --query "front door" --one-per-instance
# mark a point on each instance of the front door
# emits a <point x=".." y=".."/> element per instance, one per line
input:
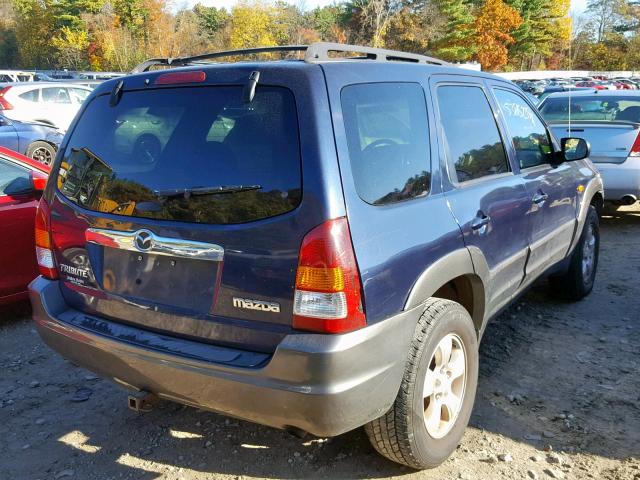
<point x="489" y="202"/>
<point x="551" y="189"/>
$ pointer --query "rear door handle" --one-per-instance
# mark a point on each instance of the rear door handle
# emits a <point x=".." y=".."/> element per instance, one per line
<point x="540" y="197"/>
<point x="480" y="223"/>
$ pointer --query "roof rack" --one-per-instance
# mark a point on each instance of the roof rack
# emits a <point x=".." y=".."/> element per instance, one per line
<point x="316" y="52"/>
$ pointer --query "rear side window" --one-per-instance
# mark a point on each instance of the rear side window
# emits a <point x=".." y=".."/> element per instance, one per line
<point x="529" y="134"/>
<point x="55" y="95"/>
<point x="197" y="154"/>
<point x="31" y="95"/>
<point x="472" y="140"/>
<point x="388" y="140"/>
<point x="78" y="95"/>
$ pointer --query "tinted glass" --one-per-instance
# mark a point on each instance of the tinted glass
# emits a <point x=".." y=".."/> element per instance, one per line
<point x="529" y="134"/>
<point x="31" y="95"/>
<point x="55" y="95"/>
<point x="600" y="107"/>
<point x="138" y="158"/>
<point x="388" y="140"/>
<point x="472" y="140"/>
<point x="14" y="179"/>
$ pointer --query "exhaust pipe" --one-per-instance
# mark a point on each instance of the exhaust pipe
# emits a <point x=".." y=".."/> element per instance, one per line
<point x="142" y="401"/>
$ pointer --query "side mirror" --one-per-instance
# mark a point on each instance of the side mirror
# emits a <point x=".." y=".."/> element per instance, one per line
<point x="575" y="149"/>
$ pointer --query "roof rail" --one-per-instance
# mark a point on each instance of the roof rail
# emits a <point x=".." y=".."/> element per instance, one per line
<point x="316" y="52"/>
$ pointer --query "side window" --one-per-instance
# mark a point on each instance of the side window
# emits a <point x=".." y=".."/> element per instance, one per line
<point x="55" y="95"/>
<point x="13" y="179"/>
<point x="388" y="140"/>
<point x="530" y="137"/>
<point x="31" y="95"/>
<point x="78" y="94"/>
<point x="472" y="140"/>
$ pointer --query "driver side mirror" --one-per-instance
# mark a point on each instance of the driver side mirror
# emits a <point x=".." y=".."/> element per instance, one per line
<point x="575" y="149"/>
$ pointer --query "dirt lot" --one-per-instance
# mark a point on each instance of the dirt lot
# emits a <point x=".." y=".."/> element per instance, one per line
<point x="559" y="397"/>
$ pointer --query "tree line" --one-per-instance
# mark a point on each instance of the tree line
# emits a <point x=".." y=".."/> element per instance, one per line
<point x="500" y="34"/>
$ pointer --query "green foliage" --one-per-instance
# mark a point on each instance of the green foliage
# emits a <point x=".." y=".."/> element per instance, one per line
<point x="456" y="44"/>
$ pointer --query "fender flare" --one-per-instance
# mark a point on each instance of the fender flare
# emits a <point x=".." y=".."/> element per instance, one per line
<point x="593" y="187"/>
<point x="464" y="262"/>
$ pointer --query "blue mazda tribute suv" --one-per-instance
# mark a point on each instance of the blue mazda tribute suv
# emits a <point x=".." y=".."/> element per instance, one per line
<point x="311" y="243"/>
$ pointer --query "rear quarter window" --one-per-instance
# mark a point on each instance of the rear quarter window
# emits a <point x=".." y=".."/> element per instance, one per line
<point x="388" y="140"/>
<point x="164" y="153"/>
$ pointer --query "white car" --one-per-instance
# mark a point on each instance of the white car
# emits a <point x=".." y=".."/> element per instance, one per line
<point x="46" y="102"/>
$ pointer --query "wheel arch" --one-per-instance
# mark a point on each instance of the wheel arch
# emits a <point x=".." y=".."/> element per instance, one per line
<point x="454" y="277"/>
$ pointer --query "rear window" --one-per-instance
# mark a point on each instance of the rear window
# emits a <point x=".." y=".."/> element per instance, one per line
<point x="388" y="141"/>
<point x="600" y="107"/>
<point x="197" y="154"/>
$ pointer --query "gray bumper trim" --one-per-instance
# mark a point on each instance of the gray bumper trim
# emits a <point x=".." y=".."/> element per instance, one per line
<point x="323" y="384"/>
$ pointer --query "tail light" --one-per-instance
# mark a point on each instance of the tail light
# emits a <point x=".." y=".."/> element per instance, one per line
<point x="328" y="290"/>
<point x="635" y="148"/>
<point x="44" y="245"/>
<point x="4" y="104"/>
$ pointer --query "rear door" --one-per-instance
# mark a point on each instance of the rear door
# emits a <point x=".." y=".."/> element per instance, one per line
<point x="180" y="209"/>
<point x="489" y="201"/>
<point x="552" y="190"/>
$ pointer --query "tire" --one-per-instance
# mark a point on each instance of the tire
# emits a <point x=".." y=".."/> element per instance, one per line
<point x="42" y="152"/>
<point x="402" y="434"/>
<point x="578" y="281"/>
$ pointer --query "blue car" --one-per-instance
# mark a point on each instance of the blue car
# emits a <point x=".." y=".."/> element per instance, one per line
<point x="315" y="244"/>
<point x="38" y="141"/>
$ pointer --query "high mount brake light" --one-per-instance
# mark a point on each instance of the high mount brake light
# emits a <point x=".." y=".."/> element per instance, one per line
<point x="44" y="245"/>
<point x="173" y="78"/>
<point x="328" y="296"/>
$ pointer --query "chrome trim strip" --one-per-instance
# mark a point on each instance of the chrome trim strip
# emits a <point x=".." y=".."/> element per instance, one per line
<point x="145" y="241"/>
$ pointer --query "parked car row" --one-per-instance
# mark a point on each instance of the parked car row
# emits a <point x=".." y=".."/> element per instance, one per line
<point x="544" y="87"/>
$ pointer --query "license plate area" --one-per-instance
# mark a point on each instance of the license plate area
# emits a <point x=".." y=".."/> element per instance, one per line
<point x="178" y="282"/>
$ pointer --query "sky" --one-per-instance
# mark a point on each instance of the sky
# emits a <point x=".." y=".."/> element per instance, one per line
<point x="577" y="6"/>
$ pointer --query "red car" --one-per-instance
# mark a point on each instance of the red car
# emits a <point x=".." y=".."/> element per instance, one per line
<point x="21" y="183"/>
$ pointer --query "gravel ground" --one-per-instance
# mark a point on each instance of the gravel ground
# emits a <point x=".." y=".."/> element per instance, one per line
<point x="558" y="397"/>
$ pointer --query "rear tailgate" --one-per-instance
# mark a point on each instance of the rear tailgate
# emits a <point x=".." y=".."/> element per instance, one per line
<point x="610" y="142"/>
<point x="180" y="209"/>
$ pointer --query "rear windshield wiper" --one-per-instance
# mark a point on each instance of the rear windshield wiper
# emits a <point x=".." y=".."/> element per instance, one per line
<point x="188" y="192"/>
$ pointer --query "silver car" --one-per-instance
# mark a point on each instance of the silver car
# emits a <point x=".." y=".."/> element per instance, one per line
<point x="610" y="122"/>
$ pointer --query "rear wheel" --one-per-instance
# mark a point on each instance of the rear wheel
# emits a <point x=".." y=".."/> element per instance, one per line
<point x="434" y="403"/>
<point x="42" y="152"/>
<point x="578" y="282"/>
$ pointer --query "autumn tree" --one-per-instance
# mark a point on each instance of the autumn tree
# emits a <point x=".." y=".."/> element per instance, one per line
<point x="493" y="25"/>
<point x="34" y="29"/>
<point x="416" y="27"/>
<point x="252" y="24"/>
<point x="71" y="45"/>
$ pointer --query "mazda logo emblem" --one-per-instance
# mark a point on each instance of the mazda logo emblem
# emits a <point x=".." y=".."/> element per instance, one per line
<point x="143" y="240"/>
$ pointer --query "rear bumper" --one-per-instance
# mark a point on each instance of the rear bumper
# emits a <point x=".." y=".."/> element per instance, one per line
<point x="621" y="179"/>
<point x="323" y="384"/>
